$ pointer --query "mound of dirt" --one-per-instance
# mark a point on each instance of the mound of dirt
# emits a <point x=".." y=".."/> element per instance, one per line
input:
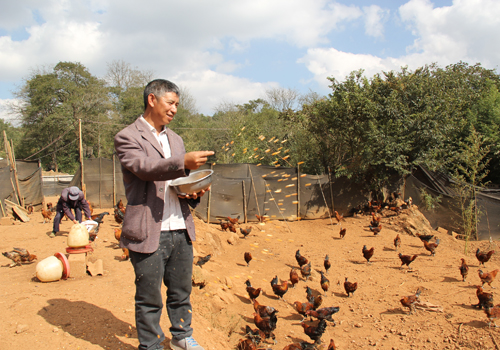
<point x="98" y="312"/>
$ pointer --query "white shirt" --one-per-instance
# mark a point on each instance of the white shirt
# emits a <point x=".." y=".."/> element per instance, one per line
<point x="172" y="214"/>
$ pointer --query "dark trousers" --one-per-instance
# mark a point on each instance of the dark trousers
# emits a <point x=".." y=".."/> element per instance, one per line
<point x="172" y="263"/>
<point x="60" y="215"/>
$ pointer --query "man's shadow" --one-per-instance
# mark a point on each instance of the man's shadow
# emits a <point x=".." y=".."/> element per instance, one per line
<point x="89" y="322"/>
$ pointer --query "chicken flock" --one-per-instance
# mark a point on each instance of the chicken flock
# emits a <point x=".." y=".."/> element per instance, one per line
<point x="316" y="317"/>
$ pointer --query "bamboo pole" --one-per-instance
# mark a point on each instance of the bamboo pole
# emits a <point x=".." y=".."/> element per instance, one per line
<point x="81" y="158"/>
<point x="209" y="197"/>
<point x="114" y="181"/>
<point x="3" y="211"/>
<point x="298" y="191"/>
<point x="244" y="202"/>
<point x="13" y="155"/>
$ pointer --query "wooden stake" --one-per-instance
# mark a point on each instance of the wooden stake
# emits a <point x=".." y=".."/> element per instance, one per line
<point x="81" y="158"/>
<point x="244" y="202"/>
<point x="114" y="181"/>
<point x="41" y="181"/>
<point x="100" y="181"/>
<point x="209" y="197"/>
<point x="298" y="192"/>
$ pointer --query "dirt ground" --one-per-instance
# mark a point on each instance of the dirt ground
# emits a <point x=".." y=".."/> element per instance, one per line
<point x="97" y="312"/>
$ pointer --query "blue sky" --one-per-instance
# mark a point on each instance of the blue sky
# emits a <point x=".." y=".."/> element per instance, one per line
<point x="226" y="51"/>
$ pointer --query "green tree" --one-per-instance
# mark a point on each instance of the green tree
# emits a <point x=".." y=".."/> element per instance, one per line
<point x="469" y="171"/>
<point x="53" y="104"/>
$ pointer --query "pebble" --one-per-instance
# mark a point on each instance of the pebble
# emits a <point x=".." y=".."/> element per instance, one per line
<point x="21" y="328"/>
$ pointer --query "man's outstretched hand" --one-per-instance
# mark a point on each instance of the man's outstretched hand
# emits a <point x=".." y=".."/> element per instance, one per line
<point x="193" y="160"/>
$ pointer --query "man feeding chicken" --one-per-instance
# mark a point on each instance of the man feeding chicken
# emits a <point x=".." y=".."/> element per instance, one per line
<point x="71" y="198"/>
<point x="158" y="228"/>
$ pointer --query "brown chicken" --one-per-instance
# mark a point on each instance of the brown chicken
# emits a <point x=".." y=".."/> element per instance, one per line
<point x="406" y="260"/>
<point x="431" y="247"/>
<point x="306" y="271"/>
<point x="376" y="229"/>
<point x="368" y="253"/>
<point x="50" y="206"/>
<point x="350" y="287"/>
<point x="263" y="310"/>
<point x="483" y="257"/>
<point x="375" y="220"/>
<point x="315" y="332"/>
<point x="492" y="313"/>
<point x="397" y="242"/>
<point x="90" y="207"/>
<point x="294" y="277"/>
<point x="317" y="301"/>
<point x="302" y="308"/>
<point x="485" y="299"/>
<point x="325" y="313"/>
<point x="410" y="300"/>
<point x="245" y="231"/>
<point x="339" y="217"/>
<point x="487" y="277"/>
<point x="248" y="258"/>
<point x="464" y="269"/>
<point x="325" y="283"/>
<point x="253" y="293"/>
<point x="47" y="215"/>
<point x="30" y="209"/>
<point x="227" y="226"/>
<point x="301" y="260"/>
<point x="261" y="218"/>
<point x="327" y="264"/>
<point x="119" y="214"/>
<point x="279" y="289"/>
<point x="266" y="325"/>
<point x="233" y="221"/>
<point x="331" y="346"/>
<point x="342" y="232"/>
<point x="18" y="256"/>
<point x="126" y="254"/>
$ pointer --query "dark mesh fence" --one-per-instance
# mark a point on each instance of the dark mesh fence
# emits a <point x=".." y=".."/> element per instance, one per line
<point x="29" y="179"/>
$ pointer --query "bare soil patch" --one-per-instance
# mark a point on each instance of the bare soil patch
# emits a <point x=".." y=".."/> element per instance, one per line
<point x="98" y="312"/>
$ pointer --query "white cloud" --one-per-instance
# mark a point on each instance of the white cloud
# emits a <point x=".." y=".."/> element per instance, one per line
<point x="465" y="31"/>
<point x="6" y="114"/>
<point x="375" y="17"/>
<point x="211" y="88"/>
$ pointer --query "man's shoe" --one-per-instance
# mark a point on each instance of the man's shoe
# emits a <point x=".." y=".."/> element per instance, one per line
<point x="52" y="235"/>
<point x="185" y="344"/>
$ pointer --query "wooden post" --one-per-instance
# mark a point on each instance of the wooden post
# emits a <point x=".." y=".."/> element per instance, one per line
<point x="100" y="180"/>
<point x="13" y="155"/>
<point x="41" y="181"/>
<point x="81" y="159"/>
<point x="209" y="197"/>
<point x="298" y="192"/>
<point x="244" y="202"/>
<point x="331" y="189"/>
<point x="114" y="181"/>
<point x="3" y="211"/>
<point x="6" y="145"/>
